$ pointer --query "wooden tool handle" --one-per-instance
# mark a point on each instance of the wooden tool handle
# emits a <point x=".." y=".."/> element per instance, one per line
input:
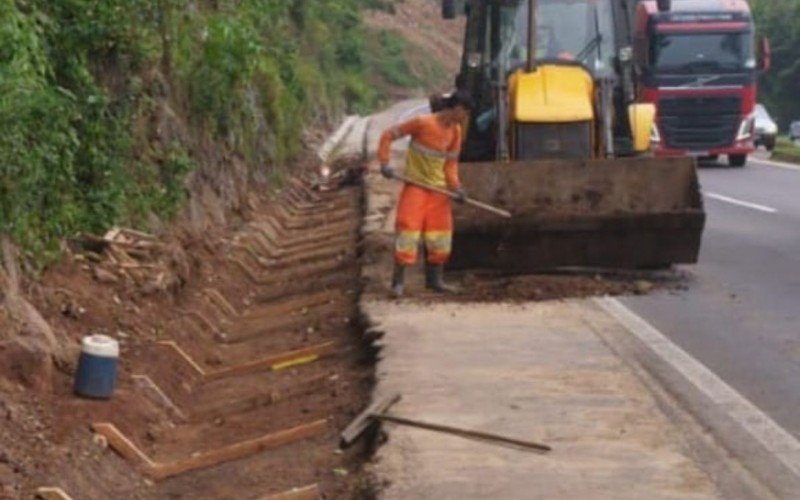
<point x="452" y="194"/>
<point x="462" y="432"/>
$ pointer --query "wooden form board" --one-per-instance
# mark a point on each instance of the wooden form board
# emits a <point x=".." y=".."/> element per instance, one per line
<point x="158" y="471"/>
<point x="275" y="362"/>
<point x="52" y="493"/>
<point x="306" y="493"/>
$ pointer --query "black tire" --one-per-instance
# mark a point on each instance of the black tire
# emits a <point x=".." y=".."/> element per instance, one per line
<point x="737" y="160"/>
<point x="769" y="144"/>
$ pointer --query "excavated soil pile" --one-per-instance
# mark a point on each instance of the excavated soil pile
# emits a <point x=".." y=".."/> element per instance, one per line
<point x="237" y="371"/>
<point x="494" y="287"/>
<point x="490" y="286"/>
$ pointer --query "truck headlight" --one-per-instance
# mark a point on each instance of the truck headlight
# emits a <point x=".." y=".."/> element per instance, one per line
<point x="745" y="129"/>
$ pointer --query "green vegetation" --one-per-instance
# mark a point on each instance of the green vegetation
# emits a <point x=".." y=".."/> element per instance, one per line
<point x="786" y="150"/>
<point x="780" y="21"/>
<point x="83" y="83"/>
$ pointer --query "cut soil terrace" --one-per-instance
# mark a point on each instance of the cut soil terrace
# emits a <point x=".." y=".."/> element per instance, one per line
<point x="235" y="387"/>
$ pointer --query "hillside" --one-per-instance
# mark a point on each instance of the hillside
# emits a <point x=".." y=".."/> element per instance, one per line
<point x="148" y="145"/>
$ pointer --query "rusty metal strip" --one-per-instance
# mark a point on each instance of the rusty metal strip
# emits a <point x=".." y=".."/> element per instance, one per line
<point x="158" y="471"/>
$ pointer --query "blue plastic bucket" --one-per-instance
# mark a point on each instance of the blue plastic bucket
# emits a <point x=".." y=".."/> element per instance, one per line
<point x="97" y="367"/>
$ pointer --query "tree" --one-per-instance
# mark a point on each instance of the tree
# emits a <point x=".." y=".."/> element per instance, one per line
<point x="780" y="86"/>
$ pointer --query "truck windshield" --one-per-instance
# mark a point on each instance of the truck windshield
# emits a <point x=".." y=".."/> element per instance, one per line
<point x="702" y="53"/>
<point x="566" y="29"/>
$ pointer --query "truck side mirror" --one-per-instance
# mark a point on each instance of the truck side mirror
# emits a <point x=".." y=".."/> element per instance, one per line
<point x="449" y="9"/>
<point x="764" y="54"/>
<point x="664" y="5"/>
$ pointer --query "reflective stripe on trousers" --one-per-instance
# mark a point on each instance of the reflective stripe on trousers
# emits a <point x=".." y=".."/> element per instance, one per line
<point x="426" y="216"/>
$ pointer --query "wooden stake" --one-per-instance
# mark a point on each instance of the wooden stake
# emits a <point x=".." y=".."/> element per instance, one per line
<point x="451" y="194"/>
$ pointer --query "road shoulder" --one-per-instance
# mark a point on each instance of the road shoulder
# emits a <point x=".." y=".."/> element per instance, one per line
<point x="540" y="371"/>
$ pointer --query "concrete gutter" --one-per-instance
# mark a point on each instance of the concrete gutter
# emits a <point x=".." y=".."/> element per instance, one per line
<point x="765" y="448"/>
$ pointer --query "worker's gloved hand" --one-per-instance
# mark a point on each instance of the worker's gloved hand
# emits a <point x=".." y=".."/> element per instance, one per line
<point x="460" y="195"/>
<point x="387" y="171"/>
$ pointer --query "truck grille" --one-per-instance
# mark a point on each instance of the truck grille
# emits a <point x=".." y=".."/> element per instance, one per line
<point x="697" y="123"/>
<point x="541" y="141"/>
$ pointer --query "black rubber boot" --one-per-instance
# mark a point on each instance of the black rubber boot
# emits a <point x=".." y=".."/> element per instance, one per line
<point x="398" y="281"/>
<point x="434" y="279"/>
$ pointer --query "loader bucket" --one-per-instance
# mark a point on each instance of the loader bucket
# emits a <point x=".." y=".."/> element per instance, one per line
<point x="616" y="213"/>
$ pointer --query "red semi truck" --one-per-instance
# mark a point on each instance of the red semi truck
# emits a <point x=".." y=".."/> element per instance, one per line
<point x="698" y="63"/>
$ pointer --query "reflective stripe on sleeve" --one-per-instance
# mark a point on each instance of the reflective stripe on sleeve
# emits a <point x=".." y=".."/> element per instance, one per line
<point x="445" y="155"/>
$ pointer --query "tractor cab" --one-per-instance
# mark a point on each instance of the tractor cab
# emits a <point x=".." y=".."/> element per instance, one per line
<point x="498" y="43"/>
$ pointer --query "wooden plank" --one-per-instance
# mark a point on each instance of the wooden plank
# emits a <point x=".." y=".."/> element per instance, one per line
<point x="52" y="493"/>
<point x="174" y="347"/>
<point x="217" y="408"/>
<point x="310" y="492"/>
<point x="365" y="418"/>
<point x="484" y="436"/>
<point x="158" y="471"/>
<point x="240" y="450"/>
<point x="125" y="447"/>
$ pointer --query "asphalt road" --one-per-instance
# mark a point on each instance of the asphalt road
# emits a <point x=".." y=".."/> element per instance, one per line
<point x="740" y="315"/>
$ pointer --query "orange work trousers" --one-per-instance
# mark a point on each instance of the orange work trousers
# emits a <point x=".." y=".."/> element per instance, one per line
<point x="423" y="215"/>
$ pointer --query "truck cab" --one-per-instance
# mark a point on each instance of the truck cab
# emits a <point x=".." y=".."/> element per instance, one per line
<point x="698" y="63"/>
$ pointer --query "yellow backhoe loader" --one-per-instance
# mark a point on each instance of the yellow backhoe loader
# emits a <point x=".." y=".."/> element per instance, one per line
<point x="558" y="139"/>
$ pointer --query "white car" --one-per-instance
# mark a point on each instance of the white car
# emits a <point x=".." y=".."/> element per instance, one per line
<point x="766" y="130"/>
<point x="794" y="131"/>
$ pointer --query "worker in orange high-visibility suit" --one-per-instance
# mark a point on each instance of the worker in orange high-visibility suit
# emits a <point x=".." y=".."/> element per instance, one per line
<point x="425" y="216"/>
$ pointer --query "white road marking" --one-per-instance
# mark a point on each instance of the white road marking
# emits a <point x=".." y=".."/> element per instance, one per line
<point x="741" y="203"/>
<point x="778" y="164"/>
<point x="759" y="425"/>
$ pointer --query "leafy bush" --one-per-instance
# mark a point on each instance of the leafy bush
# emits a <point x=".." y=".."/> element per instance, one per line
<point x="79" y="77"/>
<point x="780" y="21"/>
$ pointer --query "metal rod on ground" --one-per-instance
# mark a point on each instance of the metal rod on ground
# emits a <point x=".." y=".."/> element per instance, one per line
<point x="451" y="194"/>
<point x="461" y="432"/>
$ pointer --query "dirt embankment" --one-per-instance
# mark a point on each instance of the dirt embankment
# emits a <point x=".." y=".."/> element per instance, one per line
<point x="237" y="324"/>
<point x="430" y="39"/>
<point x="246" y="337"/>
